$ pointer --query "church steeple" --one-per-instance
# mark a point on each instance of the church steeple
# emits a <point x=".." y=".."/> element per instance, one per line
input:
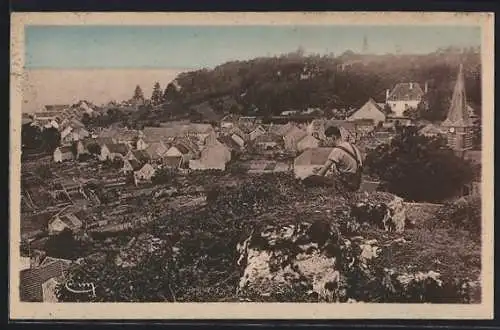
<point x="458" y="124"/>
<point x="458" y="115"/>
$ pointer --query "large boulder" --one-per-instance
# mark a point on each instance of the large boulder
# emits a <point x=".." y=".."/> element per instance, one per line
<point x="314" y="262"/>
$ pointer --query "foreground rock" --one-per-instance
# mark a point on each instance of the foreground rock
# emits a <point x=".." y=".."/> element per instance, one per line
<point x="314" y="262"/>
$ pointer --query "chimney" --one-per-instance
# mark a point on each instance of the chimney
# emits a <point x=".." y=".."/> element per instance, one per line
<point x="426" y="87"/>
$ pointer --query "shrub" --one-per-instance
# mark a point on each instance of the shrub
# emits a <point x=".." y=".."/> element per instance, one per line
<point x="418" y="168"/>
<point x="463" y="213"/>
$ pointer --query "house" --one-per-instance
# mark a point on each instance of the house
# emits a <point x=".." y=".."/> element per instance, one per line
<point x="81" y="148"/>
<point x="292" y="138"/>
<point x="140" y="144"/>
<point x="37" y="284"/>
<point x="238" y="140"/>
<point x="64" y="221"/>
<point x="76" y="134"/>
<point x="121" y="135"/>
<point x="289" y="113"/>
<point x="156" y="150"/>
<point x="172" y="130"/>
<point x="400" y="121"/>
<point x="145" y="173"/>
<point x="181" y="149"/>
<point x="281" y="129"/>
<point x="247" y="120"/>
<point x="310" y="160"/>
<point x="130" y="166"/>
<point x="117" y="150"/>
<point x="63" y="153"/>
<point x="214" y="156"/>
<point x="431" y="130"/>
<point x="140" y="156"/>
<point x="308" y="142"/>
<point x="257" y="131"/>
<point x="268" y="141"/>
<point x="405" y="96"/>
<point x="363" y="126"/>
<point x="370" y="110"/>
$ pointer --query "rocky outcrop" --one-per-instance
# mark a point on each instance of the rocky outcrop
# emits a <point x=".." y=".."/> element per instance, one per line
<point x="314" y="262"/>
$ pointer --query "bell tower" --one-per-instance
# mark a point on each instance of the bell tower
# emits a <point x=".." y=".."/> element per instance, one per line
<point x="457" y="125"/>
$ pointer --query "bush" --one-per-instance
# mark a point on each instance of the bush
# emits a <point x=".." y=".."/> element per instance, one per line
<point x="463" y="213"/>
<point x="419" y="168"/>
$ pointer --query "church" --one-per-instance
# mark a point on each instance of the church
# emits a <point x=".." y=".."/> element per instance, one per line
<point x="458" y="125"/>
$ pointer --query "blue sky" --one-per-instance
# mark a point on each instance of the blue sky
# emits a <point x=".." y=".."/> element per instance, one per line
<point x="81" y="47"/>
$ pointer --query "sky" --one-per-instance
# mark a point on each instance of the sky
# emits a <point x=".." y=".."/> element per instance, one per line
<point x="65" y="64"/>
<point x="83" y="47"/>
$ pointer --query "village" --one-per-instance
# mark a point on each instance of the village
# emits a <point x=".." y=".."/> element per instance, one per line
<point x="113" y="179"/>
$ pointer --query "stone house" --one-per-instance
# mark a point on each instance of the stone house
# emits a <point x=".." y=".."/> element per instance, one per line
<point x="63" y="153"/>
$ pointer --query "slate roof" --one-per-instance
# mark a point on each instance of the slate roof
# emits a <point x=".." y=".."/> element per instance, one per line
<point x="31" y="280"/>
<point x="403" y="92"/>
<point x="458" y="113"/>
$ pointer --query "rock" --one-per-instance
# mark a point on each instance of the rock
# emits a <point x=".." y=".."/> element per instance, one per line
<point x="384" y="210"/>
<point x="312" y="261"/>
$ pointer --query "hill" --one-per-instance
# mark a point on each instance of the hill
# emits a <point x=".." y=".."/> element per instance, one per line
<point x="267" y="86"/>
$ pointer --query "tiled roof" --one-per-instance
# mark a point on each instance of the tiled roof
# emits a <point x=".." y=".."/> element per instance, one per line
<point x="405" y="92"/>
<point x="104" y="141"/>
<point x="281" y="129"/>
<point x="31" y="280"/>
<point x="295" y="133"/>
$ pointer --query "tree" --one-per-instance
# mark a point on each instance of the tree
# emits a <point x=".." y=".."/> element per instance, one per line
<point x="63" y="245"/>
<point x="138" y="94"/>
<point x="31" y="136"/>
<point x="419" y="168"/>
<point x="412" y="113"/>
<point x="156" y="96"/>
<point x="171" y="94"/>
<point x="94" y="149"/>
<point x="51" y="139"/>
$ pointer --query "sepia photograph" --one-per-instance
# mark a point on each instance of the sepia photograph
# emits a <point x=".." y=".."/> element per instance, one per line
<point x="254" y="161"/>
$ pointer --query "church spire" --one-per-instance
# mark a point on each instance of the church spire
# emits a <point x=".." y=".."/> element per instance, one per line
<point x="458" y="115"/>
